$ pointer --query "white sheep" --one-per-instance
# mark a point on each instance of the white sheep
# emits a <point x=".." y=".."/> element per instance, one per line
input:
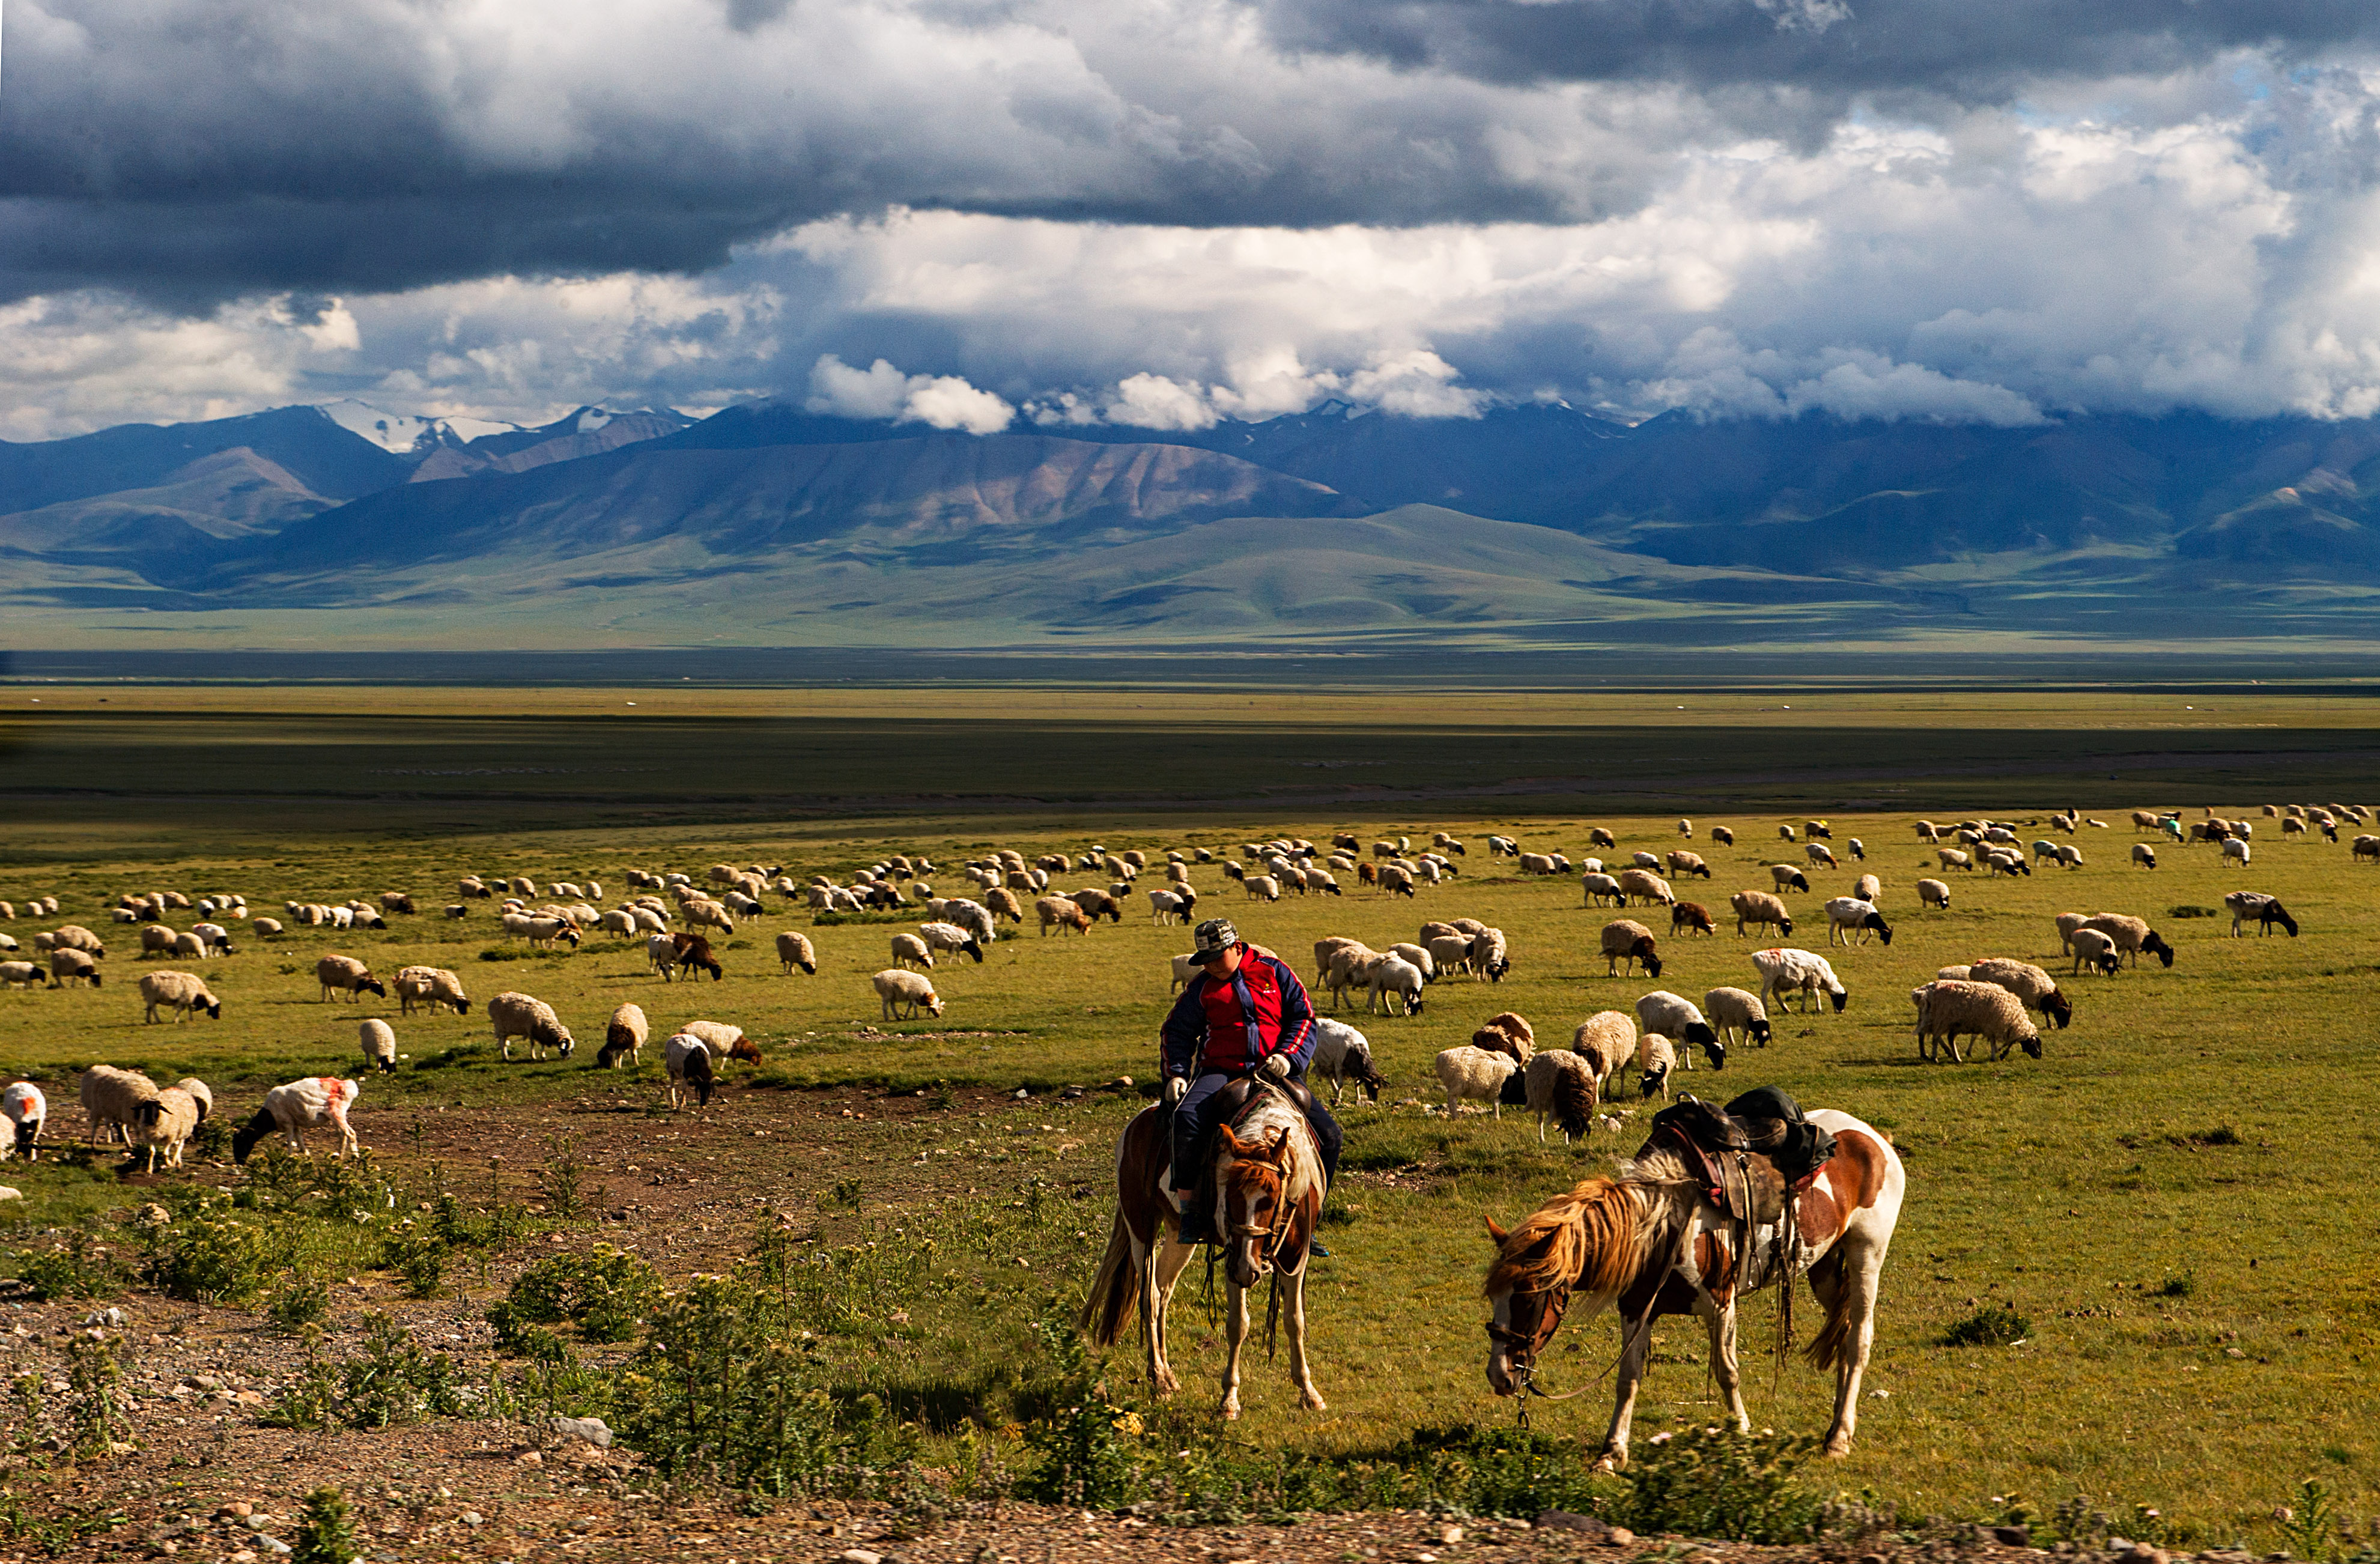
<point x="1953" y="859"/>
<point x="1867" y="888"/>
<point x="904" y="991"/>
<point x="1848" y="915"/>
<point x="1733" y="1011"/>
<point x="379" y="1040"/>
<point x="346" y="977"/>
<point x="180" y="992"/>
<point x="1676" y="1017"/>
<point x="298" y="1107"/>
<point x="1932" y="893"/>
<point x="908" y="950"/>
<point x="1624" y="939"/>
<point x="430" y="986"/>
<point x="1650" y="888"/>
<point x="1758" y="908"/>
<point x="2097" y="948"/>
<point x="2143" y="855"/>
<point x="1600" y="888"/>
<point x="73" y="966"/>
<point x="266" y="927"/>
<point x="166" y="1122"/>
<point x="1476" y="1074"/>
<point x="1785" y="876"/>
<point x="1342" y="1053"/>
<point x="794" y="949"/>
<point x="1418" y="958"/>
<point x="1656" y="1061"/>
<point x="531" y="1019"/>
<point x="1560" y="1085"/>
<point x="2069" y="856"/>
<point x="949" y="939"/>
<point x="27" y="1112"/>
<point x="1800" y="972"/>
<point x="1393" y="976"/>
<point x="111" y="1100"/>
<point x="13" y="974"/>
<point x="2032" y="987"/>
<point x="2133" y="936"/>
<point x="624" y="1037"/>
<point x="1819" y="853"/>
<point x="690" y="1067"/>
<point x="1607" y="1041"/>
<point x="2236" y="850"/>
<point x="1949" y="1008"/>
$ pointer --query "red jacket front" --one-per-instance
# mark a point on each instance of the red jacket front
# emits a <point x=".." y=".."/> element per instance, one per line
<point x="1208" y="1029"/>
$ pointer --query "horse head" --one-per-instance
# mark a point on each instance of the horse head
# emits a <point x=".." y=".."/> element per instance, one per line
<point x="1587" y="1239"/>
<point x="1254" y="1189"/>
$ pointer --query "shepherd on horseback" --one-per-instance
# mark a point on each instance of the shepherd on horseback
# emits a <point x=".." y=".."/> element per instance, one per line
<point x="1233" y="1056"/>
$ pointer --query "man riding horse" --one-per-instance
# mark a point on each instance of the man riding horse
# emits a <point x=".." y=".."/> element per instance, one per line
<point x="1245" y="1013"/>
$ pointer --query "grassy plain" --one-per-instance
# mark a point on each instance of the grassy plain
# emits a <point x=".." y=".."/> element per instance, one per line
<point x="2169" y="1195"/>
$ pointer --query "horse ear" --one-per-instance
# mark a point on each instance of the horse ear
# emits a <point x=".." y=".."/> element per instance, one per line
<point x="1277" y="1148"/>
<point x="1496" y="1235"/>
<point x="1232" y="1142"/>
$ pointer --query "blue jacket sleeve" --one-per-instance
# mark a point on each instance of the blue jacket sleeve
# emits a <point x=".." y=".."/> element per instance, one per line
<point x="1296" y="1019"/>
<point x="1184" y="1032"/>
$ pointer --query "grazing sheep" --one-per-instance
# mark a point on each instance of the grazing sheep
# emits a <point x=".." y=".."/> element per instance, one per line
<point x="1061" y="914"/>
<point x="1932" y="893"/>
<point x="1818" y="852"/>
<point x="1691" y="918"/>
<point x="1733" y="1011"/>
<point x="1949" y="1010"/>
<point x="213" y="939"/>
<point x="1490" y="957"/>
<point x="1005" y="902"/>
<point x="180" y="992"/>
<point x="692" y="952"/>
<point x="1495" y="1039"/>
<point x="1600" y="886"/>
<point x="1514" y="1025"/>
<point x="2096" y="948"/>
<point x="2265" y="911"/>
<point x="1402" y="978"/>
<point x="1953" y="859"/>
<point x="1650" y="888"/>
<point x="794" y="949"/>
<point x="13" y="974"/>
<point x="156" y="939"/>
<point x="531" y="1019"/>
<point x="1800" y="971"/>
<point x="1449" y="952"/>
<point x="1723" y="836"/>
<point x="1599" y="837"/>
<point x="1847" y="916"/>
<point x="2069" y="856"/>
<point x="1476" y="1074"/>
<point x="1560" y="1085"/>
<point x="1626" y="940"/>
<point x="908" y="950"/>
<point x="949" y="939"/>
<point x="298" y="1107"/>
<point x="346" y="977"/>
<point x="1418" y="958"/>
<point x="1787" y="878"/>
<point x="1685" y="828"/>
<point x="1536" y="863"/>
<point x="1759" y="909"/>
<point x="1165" y="906"/>
<point x="689" y="1063"/>
<point x="2032" y="986"/>
<point x="2236" y="851"/>
<point x="1342" y="1053"/>
<point x="27" y="1112"/>
<point x="111" y="1100"/>
<point x="1649" y="861"/>
<point x="71" y="966"/>
<point x="704" y="913"/>
<point x="1867" y="888"/>
<point x="624" y="1037"/>
<point x="2133" y="936"/>
<point x="1656" y="1061"/>
<point x="1675" y="1016"/>
<point x="1858" y="848"/>
<point x="1785" y="833"/>
<point x="75" y="937"/>
<point x="1097" y="904"/>
<point x="1607" y="1041"/>
<point x="1684" y="863"/>
<point x="724" y="1040"/>
<point x="166" y="1122"/>
<point x="1394" y="880"/>
<point x="904" y="991"/>
<point x="379" y="1040"/>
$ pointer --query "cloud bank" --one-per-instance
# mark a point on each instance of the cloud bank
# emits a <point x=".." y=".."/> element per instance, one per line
<point x="985" y="214"/>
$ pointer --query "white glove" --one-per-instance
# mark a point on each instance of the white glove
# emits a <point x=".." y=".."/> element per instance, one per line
<point x="1276" y="1066"/>
<point x="1176" y="1089"/>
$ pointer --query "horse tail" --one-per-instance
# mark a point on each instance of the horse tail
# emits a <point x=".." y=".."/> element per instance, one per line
<point x="1116" y="1291"/>
<point x="1832" y="1346"/>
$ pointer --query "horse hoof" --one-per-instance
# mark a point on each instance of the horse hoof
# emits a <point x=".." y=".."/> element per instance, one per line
<point x="1230" y="1412"/>
<point x="1605" y="1463"/>
<point x="1835" y="1451"/>
<point x="1313" y="1402"/>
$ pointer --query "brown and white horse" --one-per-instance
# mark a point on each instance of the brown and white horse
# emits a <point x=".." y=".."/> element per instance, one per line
<point x="1651" y="1242"/>
<point x="1267" y="1196"/>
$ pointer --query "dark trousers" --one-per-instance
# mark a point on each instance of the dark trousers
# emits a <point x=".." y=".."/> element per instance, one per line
<point x="1194" y="1117"/>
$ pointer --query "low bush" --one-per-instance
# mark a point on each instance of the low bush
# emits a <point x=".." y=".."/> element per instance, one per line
<point x="605" y="1293"/>
<point x="1994" y="1325"/>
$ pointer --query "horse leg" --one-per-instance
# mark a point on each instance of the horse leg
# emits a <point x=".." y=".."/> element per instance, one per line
<point x="1166" y="1259"/>
<point x="1628" y="1375"/>
<point x="1719" y="1320"/>
<point x="1235" y="1333"/>
<point x="1300" y="1374"/>
<point x="1857" y="1281"/>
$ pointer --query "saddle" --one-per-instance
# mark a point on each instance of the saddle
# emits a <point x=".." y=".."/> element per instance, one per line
<point x="1747" y="1155"/>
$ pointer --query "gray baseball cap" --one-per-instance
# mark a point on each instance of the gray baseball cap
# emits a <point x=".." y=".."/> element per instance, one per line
<point x="1214" y="937"/>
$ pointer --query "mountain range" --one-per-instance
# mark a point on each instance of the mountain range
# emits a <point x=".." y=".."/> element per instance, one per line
<point x="767" y="524"/>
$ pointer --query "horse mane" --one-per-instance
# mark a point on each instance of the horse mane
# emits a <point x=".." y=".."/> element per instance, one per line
<point x="1588" y="1238"/>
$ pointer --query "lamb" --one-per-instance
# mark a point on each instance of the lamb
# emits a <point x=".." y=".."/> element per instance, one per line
<point x="1759" y="908"/>
<point x="1559" y="1085"/>
<point x="1820" y="855"/>
<point x="180" y="992"/>
<point x="524" y="1016"/>
<point x="2131" y="936"/>
<point x="1341" y="1053"/>
<point x="2096" y="948"/>
<point x="689" y="1058"/>
<point x="1607" y="1041"/>
<point x="1626" y="940"/>
<point x="16" y="972"/>
<point x="906" y="990"/>
<point x="624" y="1037"/>
<point x="1674" y="1015"/>
<point x="27" y="1112"/>
<point x="66" y="966"/>
<point x="1656" y="1061"/>
<point x="1787" y="878"/>
<point x="908" y="950"/>
<point x="378" y="1039"/>
<point x="1598" y="886"/>
<point x="2034" y="988"/>
<point x="1802" y="972"/>
<point x="1691" y="918"/>
<point x="1785" y="833"/>
<point x="168" y="1121"/>
<point x="1474" y="1074"/>
<point x="1858" y="848"/>
<point x="1639" y="885"/>
<point x="1948" y="1010"/>
<point x="112" y="1099"/>
<point x="1402" y="978"/>
<point x="949" y="938"/>
<point x="1733" y="1011"/>
<point x="298" y="1107"/>
<point x="1953" y="858"/>
<point x="2265" y="910"/>
<point x="1061" y="914"/>
<point x="1847" y="916"/>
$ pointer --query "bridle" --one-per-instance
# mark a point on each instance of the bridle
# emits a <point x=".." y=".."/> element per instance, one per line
<point x="1275" y="1233"/>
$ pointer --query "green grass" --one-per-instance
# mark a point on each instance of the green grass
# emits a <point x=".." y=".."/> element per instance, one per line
<point x="2161" y="1192"/>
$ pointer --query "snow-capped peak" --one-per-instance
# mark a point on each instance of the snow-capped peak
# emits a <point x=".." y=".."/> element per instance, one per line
<point x="404" y="433"/>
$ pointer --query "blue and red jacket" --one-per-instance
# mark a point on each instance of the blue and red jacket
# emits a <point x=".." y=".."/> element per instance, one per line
<point x="1231" y="1026"/>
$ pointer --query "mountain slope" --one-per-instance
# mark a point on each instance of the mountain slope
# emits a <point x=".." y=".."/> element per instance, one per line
<point x="325" y="458"/>
<point x="232" y="493"/>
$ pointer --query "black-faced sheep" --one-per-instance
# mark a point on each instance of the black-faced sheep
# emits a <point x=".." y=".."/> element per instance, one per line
<point x="1732" y="1010"/>
<point x="1848" y="918"/>
<point x="1759" y="909"/>
<point x="1949" y="1010"/>
<point x="349" y="977"/>
<point x="2133" y="936"/>
<point x="1341" y="1054"/>
<point x="531" y="1019"/>
<point x="180" y="992"/>
<point x="2032" y="986"/>
<point x="1627" y="940"/>
<point x="111" y="1100"/>
<point x="25" y="1110"/>
<point x="1676" y="1017"/>
<point x="624" y="1037"/>
<point x="298" y="1107"/>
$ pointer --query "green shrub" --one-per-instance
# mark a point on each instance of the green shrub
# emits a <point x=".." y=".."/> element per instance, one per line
<point x="213" y="1259"/>
<point x="1087" y="1453"/>
<point x="79" y="1267"/>
<point x="1994" y="1325"/>
<point x="605" y="1293"/>
<point x="1713" y="1481"/>
<point x="324" y="1535"/>
<point x="419" y="1257"/>
<point x="302" y="1301"/>
<point x="391" y="1382"/>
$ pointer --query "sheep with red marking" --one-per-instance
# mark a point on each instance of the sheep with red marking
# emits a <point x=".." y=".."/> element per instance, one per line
<point x="299" y="1105"/>
<point x="27" y="1111"/>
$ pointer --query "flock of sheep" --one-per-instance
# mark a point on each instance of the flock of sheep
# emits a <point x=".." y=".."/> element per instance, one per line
<point x="674" y="916"/>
